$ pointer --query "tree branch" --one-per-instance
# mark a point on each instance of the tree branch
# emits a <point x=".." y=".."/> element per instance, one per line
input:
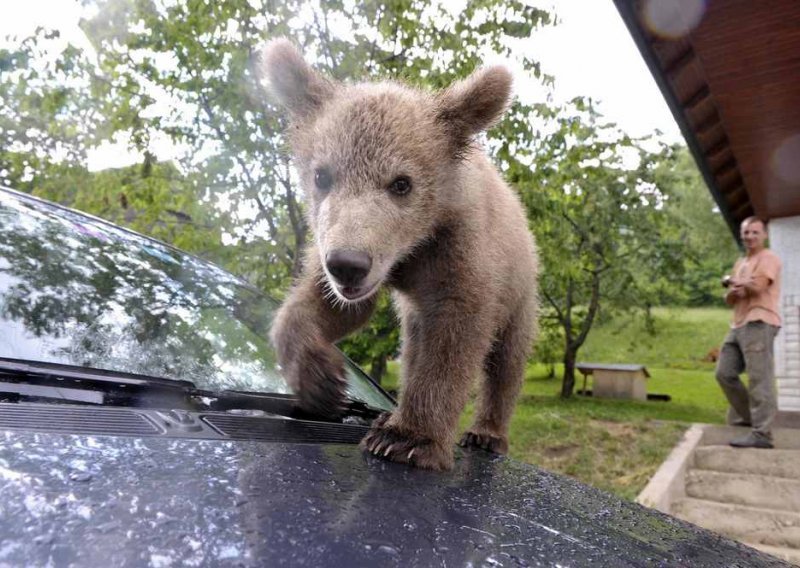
<point x="296" y="219"/>
<point x="594" y="304"/>
<point x="324" y="36"/>
<point x="578" y="229"/>
<point x="553" y="303"/>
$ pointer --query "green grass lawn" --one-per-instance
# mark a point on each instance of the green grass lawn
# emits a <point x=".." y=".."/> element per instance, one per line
<point x="618" y="445"/>
<point x="683" y="338"/>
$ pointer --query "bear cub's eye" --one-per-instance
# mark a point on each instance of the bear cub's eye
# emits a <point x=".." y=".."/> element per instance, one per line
<point x="401" y="185"/>
<point x="323" y="179"/>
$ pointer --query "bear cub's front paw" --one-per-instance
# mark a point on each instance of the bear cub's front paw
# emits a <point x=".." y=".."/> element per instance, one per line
<point x="316" y="375"/>
<point x="484" y="441"/>
<point x="394" y="443"/>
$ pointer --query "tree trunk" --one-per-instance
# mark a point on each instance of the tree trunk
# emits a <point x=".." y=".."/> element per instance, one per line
<point x="573" y="344"/>
<point x="299" y="229"/>
<point x="296" y="220"/>
<point x="649" y="320"/>
<point x="378" y="368"/>
<point x="568" y="384"/>
<point x="568" y="380"/>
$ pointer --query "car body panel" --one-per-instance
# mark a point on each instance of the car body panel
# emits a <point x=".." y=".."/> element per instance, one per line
<point x="126" y="501"/>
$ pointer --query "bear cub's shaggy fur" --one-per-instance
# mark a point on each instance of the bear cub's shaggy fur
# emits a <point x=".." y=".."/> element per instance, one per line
<point x="400" y="195"/>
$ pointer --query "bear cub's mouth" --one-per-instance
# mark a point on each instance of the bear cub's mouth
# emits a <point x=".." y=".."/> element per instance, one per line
<point x="355" y="293"/>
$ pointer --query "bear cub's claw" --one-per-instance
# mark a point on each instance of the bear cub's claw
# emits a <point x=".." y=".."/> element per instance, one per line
<point x="395" y="444"/>
<point x="484" y="441"/>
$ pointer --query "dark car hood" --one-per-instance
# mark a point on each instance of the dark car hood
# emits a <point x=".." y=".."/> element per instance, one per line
<point x="116" y="501"/>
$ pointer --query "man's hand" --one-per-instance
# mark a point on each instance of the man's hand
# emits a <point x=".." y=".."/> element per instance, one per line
<point x="736" y="290"/>
<point x="739" y="290"/>
<point x="749" y="286"/>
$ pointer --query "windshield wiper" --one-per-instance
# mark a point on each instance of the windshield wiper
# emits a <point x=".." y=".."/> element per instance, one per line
<point x="37" y="370"/>
<point x="33" y="380"/>
<point x="36" y="381"/>
<point x="356" y="411"/>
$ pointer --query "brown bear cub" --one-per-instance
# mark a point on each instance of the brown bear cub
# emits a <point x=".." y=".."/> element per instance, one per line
<point x="400" y="195"/>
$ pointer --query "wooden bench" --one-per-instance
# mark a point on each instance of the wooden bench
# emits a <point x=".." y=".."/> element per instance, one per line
<point x="616" y="381"/>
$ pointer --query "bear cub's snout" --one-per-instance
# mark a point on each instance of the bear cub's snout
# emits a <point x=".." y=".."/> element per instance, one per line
<point x="348" y="267"/>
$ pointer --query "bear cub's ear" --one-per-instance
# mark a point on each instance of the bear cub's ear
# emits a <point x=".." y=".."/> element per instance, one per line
<point x="292" y="81"/>
<point x="474" y="104"/>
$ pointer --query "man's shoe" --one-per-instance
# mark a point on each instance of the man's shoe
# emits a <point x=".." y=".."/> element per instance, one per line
<point x="752" y="440"/>
<point x="744" y="423"/>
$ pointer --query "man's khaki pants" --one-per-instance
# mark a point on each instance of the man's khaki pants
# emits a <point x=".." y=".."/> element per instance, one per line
<point x="749" y="348"/>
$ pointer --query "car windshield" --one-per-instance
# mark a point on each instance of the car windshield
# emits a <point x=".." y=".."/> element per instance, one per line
<point x="75" y="290"/>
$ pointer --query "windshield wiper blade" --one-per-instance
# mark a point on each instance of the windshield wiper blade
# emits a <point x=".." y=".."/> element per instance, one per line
<point x="287" y="405"/>
<point x="38" y="370"/>
<point x="22" y="380"/>
<point x="72" y="384"/>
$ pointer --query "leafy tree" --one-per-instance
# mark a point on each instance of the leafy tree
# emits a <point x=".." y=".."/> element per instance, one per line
<point x="379" y="342"/>
<point x="52" y="115"/>
<point x="48" y="107"/>
<point x="710" y="250"/>
<point x="550" y="340"/>
<point x="599" y="223"/>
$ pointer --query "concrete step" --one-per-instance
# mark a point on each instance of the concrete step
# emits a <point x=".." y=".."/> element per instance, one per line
<point x="744" y="489"/>
<point x="790" y="555"/>
<point x="742" y="523"/>
<point x="783" y="438"/>
<point x="775" y="463"/>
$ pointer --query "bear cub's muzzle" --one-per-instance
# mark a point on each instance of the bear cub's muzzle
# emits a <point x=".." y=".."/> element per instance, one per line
<point x="349" y="269"/>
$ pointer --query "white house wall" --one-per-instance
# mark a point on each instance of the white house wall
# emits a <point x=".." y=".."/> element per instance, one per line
<point x="784" y="239"/>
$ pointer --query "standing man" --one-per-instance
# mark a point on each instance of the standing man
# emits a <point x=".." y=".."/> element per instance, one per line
<point x="754" y="294"/>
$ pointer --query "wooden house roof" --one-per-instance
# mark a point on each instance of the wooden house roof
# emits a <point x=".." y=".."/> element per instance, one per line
<point x="730" y="72"/>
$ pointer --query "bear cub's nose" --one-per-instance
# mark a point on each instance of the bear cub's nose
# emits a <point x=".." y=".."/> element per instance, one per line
<point x="348" y="267"/>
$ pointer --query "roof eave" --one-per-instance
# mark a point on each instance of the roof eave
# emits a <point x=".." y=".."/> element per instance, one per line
<point x="628" y="14"/>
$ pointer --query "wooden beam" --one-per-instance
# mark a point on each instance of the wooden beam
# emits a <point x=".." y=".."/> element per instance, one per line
<point x="718" y="148"/>
<point x="680" y="62"/>
<point x="698" y="97"/>
<point x="708" y="124"/>
<point x="725" y="168"/>
<point x="737" y="199"/>
<point x="735" y="193"/>
<point x="743" y="211"/>
<point x="737" y="189"/>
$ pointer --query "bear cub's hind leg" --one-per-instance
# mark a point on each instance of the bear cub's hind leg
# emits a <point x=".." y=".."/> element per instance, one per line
<point x="504" y="372"/>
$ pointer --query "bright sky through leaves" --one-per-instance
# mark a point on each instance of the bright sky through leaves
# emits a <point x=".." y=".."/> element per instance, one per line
<point x="590" y="53"/>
